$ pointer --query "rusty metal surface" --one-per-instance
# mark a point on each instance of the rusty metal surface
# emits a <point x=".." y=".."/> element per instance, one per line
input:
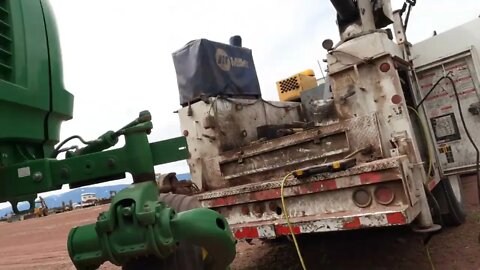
<point x="308" y="188"/>
<point x="364" y="47"/>
<point x="220" y="124"/>
<point x="237" y="120"/>
<point x="267" y="160"/>
<point x="333" y="203"/>
<point x="375" y="92"/>
<point x="300" y="151"/>
<point x="327" y="223"/>
<point x="168" y="183"/>
<point x="377" y="165"/>
<point x="314" y="224"/>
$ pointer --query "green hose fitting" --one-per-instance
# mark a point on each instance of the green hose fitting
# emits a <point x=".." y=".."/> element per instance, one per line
<point x="208" y="229"/>
<point x="137" y="225"/>
<point x="105" y="141"/>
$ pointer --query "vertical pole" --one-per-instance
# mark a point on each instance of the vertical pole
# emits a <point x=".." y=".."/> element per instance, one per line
<point x="139" y="156"/>
<point x="398" y="28"/>
<point x="366" y="15"/>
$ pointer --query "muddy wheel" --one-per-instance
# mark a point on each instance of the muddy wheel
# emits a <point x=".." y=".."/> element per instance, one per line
<point x="434" y="207"/>
<point x="186" y="257"/>
<point x="449" y="195"/>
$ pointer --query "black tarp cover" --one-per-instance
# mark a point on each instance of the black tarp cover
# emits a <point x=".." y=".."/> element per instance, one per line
<point x="207" y="68"/>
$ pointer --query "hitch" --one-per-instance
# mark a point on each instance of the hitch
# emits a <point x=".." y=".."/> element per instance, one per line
<point x="137" y="224"/>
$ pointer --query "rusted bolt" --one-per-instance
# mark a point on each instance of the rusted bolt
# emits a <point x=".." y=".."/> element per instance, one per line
<point x="185" y="133"/>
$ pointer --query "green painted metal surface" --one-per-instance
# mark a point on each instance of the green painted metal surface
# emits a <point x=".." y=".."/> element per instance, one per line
<point x="137" y="224"/>
<point x="33" y="101"/>
<point x="33" y="105"/>
<point x="91" y="165"/>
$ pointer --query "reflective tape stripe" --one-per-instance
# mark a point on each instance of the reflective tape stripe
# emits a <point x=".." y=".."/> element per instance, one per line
<point x="325" y="225"/>
<point x="307" y="188"/>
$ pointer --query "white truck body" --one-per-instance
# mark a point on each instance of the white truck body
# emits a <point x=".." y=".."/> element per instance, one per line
<point x="240" y="175"/>
<point x="88" y="199"/>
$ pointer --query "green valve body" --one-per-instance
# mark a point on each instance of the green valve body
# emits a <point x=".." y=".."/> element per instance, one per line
<point x="137" y="224"/>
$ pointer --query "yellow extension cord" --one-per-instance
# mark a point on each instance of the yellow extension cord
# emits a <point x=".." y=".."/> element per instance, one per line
<point x="285" y="214"/>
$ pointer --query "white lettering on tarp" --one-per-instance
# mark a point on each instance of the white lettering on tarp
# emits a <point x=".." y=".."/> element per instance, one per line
<point x="226" y="62"/>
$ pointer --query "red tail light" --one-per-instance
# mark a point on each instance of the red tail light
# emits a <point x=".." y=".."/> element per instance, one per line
<point x="384" y="195"/>
<point x="385" y="67"/>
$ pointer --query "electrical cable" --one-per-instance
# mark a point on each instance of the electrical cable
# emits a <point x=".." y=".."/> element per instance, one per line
<point x="255" y="102"/>
<point x="278" y="106"/>
<point x="237" y="102"/>
<point x="467" y="132"/>
<point x="56" y="150"/>
<point x="287" y="218"/>
<point x="411" y="3"/>
<point x="431" y="90"/>
<point x="429" y="257"/>
<point x="74" y="147"/>
<point x="429" y="142"/>
<point x="355" y="152"/>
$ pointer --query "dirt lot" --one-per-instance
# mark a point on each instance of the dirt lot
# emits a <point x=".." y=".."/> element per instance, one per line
<point x="41" y="244"/>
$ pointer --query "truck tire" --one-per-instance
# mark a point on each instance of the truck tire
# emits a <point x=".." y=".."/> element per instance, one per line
<point x="450" y="198"/>
<point x="186" y="257"/>
<point x="435" y="210"/>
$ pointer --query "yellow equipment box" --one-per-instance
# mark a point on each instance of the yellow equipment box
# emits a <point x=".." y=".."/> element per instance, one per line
<point x="289" y="89"/>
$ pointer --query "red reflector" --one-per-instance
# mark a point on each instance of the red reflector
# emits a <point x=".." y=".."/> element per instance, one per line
<point x="396" y="218"/>
<point x="396" y="99"/>
<point x="384" y="195"/>
<point x="384" y="67"/>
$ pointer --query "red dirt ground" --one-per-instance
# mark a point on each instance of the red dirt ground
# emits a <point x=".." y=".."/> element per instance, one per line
<point x="40" y="243"/>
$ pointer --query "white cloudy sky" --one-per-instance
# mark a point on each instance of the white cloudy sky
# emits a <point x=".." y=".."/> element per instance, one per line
<point x="117" y="53"/>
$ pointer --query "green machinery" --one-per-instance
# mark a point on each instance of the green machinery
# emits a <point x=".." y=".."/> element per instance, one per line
<point x="34" y="103"/>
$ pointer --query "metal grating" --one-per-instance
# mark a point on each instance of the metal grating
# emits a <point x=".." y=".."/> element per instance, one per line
<point x="289" y="84"/>
<point x="6" y="54"/>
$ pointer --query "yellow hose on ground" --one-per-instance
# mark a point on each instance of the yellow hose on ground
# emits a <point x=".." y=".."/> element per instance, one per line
<point x="285" y="214"/>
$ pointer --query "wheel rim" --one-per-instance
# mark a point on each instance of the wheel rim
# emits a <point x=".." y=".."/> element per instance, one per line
<point x="456" y="187"/>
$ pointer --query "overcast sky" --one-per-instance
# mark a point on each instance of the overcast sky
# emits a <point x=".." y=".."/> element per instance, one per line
<point x="117" y="53"/>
